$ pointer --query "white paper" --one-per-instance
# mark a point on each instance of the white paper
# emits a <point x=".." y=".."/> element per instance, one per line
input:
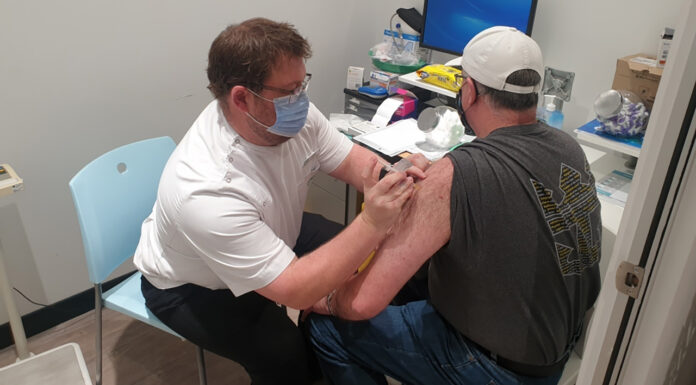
<point x="644" y="60"/>
<point x="365" y="127"/>
<point x="354" y="80"/>
<point x="386" y="110"/>
<point x="620" y="196"/>
<point x="395" y="138"/>
<point x="343" y="122"/>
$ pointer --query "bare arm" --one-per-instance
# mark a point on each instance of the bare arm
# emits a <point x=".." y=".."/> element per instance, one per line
<point x="308" y="279"/>
<point x="358" y="158"/>
<point x="424" y="227"/>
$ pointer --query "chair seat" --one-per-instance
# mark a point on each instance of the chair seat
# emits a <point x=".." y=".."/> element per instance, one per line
<point x="127" y="298"/>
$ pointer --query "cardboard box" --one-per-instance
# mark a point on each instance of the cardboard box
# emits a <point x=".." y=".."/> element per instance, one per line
<point x="640" y="75"/>
<point x="406" y="42"/>
<point x="384" y="79"/>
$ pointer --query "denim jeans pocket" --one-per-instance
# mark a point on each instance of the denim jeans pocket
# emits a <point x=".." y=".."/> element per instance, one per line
<point x="469" y="372"/>
<point x="497" y="374"/>
<point x="474" y="367"/>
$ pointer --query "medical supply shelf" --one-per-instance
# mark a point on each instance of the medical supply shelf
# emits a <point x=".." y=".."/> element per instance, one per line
<point x="587" y="133"/>
<point x="601" y="165"/>
<point x="413" y="79"/>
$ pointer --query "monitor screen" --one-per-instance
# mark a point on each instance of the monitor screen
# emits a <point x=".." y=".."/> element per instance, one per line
<point x="449" y="25"/>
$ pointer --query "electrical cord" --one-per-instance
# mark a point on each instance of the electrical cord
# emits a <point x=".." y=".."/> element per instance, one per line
<point x="398" y="46"/>
<point x="58" y="310"/>
<point x="27" y="298"/>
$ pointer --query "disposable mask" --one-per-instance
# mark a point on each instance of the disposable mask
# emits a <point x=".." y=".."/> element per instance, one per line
<point x="462" y="114"/>
<point x="291" y="114"/>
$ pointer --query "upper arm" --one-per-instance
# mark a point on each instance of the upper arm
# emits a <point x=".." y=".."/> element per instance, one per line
<point x="422" y="230"/>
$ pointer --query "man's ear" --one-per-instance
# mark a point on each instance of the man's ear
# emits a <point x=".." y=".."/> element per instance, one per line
<point x="238" y="97"/>
<point x="468" y="93"/>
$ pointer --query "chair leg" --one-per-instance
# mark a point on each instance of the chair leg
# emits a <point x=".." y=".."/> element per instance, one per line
<point x="201" y="366"/>
<point x="98" y="334"/>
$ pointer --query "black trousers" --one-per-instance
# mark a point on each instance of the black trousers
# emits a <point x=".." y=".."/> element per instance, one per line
<point x="250" y="329"/>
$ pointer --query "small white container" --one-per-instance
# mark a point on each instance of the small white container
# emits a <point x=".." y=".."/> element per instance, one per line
<point x="664" y="46"/>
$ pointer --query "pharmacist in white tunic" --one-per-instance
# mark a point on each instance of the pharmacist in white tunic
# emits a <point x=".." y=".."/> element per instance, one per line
<point x="221" y="246"/>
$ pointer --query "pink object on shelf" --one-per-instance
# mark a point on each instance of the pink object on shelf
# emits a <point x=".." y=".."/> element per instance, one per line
<point x="409" y="103"/>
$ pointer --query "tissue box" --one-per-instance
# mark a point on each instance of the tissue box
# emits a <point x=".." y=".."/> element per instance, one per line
<point x="407" y="106"/>
<point x="384" y="79"/>
<point x="639" y="74"/>
<point x="407" y="109"/>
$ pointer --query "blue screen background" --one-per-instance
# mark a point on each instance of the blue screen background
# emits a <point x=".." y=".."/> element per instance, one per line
<point x="449" y="25"/>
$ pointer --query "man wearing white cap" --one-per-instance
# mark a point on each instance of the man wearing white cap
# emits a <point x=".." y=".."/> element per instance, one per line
<point x="510" y="226"/>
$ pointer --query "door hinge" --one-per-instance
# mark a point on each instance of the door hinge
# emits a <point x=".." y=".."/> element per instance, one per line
<point x="629" y="278"/>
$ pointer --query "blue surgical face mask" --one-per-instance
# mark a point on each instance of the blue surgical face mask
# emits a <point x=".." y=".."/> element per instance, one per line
<point x="291" y="114"/>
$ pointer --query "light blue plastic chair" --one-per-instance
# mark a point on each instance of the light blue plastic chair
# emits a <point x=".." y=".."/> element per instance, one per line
<point x="113" y="194"/>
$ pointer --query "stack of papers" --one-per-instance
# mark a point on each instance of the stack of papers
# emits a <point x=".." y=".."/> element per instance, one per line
<point x="393" y="139"/>
<point x="351" y="124"/>
<point x="402" y="136"/>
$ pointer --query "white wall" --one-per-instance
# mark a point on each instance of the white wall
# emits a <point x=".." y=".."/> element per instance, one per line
<point x="586" y="37"/>
<point x="80" y="77"/>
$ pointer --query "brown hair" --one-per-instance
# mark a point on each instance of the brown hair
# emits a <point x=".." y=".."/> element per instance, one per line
<point x="244" y="54"/>
<point x="510" y="100"/>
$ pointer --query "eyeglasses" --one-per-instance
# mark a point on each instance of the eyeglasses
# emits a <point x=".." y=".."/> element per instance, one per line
<point x="460" y="78"/>
<point x="292" y="94"/>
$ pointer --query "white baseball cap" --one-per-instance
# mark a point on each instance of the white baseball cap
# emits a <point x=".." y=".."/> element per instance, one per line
<point x="495" y="53"/>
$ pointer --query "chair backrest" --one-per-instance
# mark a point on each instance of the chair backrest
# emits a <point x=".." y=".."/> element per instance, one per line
<point x="113" y="194"/>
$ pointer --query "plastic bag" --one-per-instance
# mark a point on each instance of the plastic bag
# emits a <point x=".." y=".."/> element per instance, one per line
<point x="389" y="52"/>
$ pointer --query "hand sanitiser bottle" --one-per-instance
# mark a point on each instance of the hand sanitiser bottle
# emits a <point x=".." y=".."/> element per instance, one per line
<point x="552" y="117"/>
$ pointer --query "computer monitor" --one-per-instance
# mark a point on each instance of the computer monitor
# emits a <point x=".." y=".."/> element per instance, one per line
<point x="449" y="25"/>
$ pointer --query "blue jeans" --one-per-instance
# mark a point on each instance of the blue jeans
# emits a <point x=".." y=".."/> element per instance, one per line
<point x="410" y="343"/>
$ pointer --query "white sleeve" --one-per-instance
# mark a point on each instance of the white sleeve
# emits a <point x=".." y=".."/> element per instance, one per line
<point x="230" y="237"/>
<point x="333" y="145"/>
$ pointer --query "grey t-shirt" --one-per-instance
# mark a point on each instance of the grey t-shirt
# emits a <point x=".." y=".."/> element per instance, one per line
<point x="521" y="267"/>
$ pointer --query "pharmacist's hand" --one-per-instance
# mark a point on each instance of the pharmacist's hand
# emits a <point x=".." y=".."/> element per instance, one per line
<point x="420" y="165"/>
<point x="384" y="198"/>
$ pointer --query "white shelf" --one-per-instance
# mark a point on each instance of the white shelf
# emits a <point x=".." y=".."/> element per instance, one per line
<point x="413" y="79"/>
<point x="601" y="166"/>
<point x="608" y="143"/>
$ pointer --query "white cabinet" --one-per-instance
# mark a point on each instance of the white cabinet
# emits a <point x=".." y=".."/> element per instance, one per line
<point x="606" y="156"/>
<point x="602" y="164"/>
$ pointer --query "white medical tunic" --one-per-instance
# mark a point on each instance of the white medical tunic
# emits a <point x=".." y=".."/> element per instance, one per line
<point x="228" y="212"/>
